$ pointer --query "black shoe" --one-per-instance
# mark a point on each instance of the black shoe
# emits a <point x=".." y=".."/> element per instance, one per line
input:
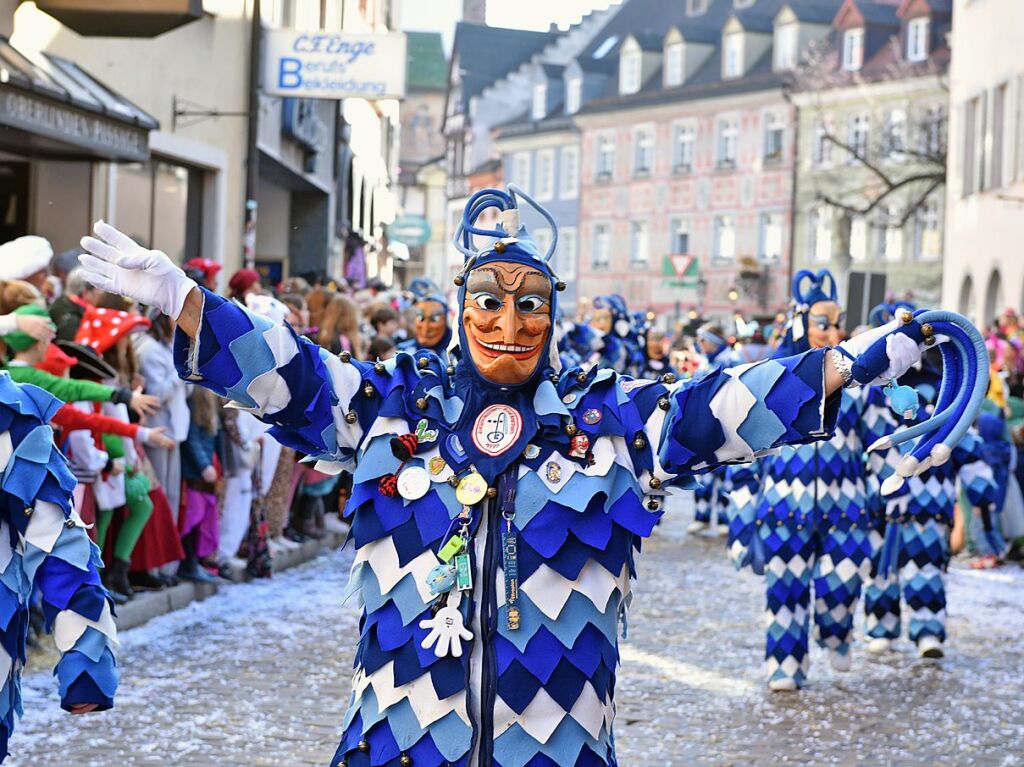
<point x="294" y="535"/>
<point x="146" y="581"/>
<point x="118" y="578"/>
<point x="191" y="570"/>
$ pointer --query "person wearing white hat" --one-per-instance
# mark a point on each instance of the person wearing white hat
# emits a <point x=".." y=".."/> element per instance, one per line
<point x="26" y="258"/>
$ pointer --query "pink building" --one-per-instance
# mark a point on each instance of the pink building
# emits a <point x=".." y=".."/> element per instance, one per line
<point x="687" y="154"/>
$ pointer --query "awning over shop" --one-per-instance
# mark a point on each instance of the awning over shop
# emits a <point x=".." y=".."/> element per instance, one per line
<point x="50" y="107"/>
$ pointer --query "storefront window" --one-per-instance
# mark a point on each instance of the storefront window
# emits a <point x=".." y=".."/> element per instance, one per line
<point x="160" y="204"/>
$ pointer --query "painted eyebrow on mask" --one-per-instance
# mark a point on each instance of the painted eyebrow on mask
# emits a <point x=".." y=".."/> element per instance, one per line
<point x="494" y="281"/>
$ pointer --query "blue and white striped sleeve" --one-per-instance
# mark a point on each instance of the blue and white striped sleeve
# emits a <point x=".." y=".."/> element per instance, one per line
<point x="304" y="392"/>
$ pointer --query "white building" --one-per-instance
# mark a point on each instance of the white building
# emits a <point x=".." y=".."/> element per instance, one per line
<point x="984" y="265"/>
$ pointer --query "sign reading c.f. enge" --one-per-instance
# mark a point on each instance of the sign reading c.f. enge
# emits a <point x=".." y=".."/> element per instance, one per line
<point x="321" y="65"/>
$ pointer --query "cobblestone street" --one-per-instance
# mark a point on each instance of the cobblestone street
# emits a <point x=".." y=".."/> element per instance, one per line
<point x="258" y="675"/>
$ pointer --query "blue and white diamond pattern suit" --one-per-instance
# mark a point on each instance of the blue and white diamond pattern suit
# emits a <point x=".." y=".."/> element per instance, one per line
<point x="545" y="690"/>
<point x="45" y="550"/>
<point x="799" y="518"/>
<point x="911" y="532"/>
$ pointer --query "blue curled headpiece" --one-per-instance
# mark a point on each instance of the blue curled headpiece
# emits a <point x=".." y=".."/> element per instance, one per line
<point x="808" y="289"/>
<point x="510" y="243"/>
<point x="883" y="313"/>
<point x="424" y="289"/>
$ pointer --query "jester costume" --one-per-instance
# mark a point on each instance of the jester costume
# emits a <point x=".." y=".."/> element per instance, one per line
<point x="617" y="345"/>
<point x="911" y="531"/>
<point x="498" y="510"/>
<point x="431" y="331"/>
<point x="45" y="551"/>
<point x="800" y="518"/>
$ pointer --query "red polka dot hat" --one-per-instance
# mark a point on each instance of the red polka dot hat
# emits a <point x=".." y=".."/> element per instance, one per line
<point x="102" y="328"/>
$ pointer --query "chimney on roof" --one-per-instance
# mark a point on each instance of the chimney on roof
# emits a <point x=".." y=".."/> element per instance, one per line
<point x="474" y="11"/>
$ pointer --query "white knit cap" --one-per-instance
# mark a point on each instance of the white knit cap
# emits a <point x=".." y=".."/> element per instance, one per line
<point x="24" y="257"/>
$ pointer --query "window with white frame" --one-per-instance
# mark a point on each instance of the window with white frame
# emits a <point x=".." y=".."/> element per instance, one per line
<point x="679" y="233"/>
<point x="565" y="258"/>
<point x="601" y="255"/>
<point x="928" y="231"/>
<point x="819" y="234"/>
<point x="770" y="236"/>
<point x="683" y="139"/>
<point x="542" y="238"/>
<point x="643" y="150"/>
<point x="774" y="133"/>
<point x="573" y="95"/>
<point x="858" y="238"/>
<point x="569" y="173"/>
<point x="629" y="72"/>
<point x="932" y="137"/>
<point x="996" y="174"/>
<point x="605" y="165"/>
<point x="725" y="238"/>
<point x="521" y="170"/>
<point x="696" y="7"/>
<point x="821" y="150"/>
<point x="853" y="49"/>
<point x="673" y="65"/>
<point x="732" y="58"/>
<point x="540" y="101"/>
<point x="728" y="138"/>
<point x="896" y="134"/>
<point x="860" y="134"/>
<point x="890" y="235"/>
<point x="974" y="144"/>
<point x="639" y="242"/>
<point x="305" y="15"/>
<point x="917" y="39"/>
<point x="544" y="189"/>
<point x="786" y="46"/>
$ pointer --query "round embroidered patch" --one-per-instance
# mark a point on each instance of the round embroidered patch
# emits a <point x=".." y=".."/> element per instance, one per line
<point x="496" y="429"/>
<point x="592" y="416"/>
<point x="413" y="483"/>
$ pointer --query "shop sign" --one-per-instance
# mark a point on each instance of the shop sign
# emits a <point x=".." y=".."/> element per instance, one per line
<point x="56" y="121"/>
<point x="411" y="231"/>
<point x="321" y="65"/>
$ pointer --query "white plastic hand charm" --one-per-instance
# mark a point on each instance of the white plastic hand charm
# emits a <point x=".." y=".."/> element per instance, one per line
<point x="447" y="629"/>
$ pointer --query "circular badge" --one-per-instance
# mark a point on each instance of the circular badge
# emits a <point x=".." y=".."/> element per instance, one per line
<point x="496" y="429"/>
<point x="413" y="483"/>
<point x="531" y="452"/>
<point x="592" y="416"/>
<point x="471" y="490"/>
<point x="569" y="398"/>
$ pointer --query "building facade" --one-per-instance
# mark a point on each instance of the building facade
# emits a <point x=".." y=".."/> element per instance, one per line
<point x="872" y="150"/>
<point x="984" y="271"/>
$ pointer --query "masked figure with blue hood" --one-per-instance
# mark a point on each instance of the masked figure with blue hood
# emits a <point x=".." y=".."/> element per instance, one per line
<point x="498" y="510"/>
<point x="912" y="523"/>
<point x="431" y="330"/>
<point x="800" y="518"/>
<point x="616" y="339"/>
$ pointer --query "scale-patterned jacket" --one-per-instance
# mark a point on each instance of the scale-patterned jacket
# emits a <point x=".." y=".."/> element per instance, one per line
<point x="541" y="694"/>
<point x="44" y="547"/>
<point x="822" y="484"/>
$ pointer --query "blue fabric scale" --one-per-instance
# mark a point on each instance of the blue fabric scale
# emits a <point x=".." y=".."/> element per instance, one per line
<point x="65" y="577"/>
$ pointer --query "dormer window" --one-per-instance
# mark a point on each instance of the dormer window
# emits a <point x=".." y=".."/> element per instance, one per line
<point x="853" y="49"/>
<point x="540" y="101"/>
<point x="732" y="60"/>
<point x="917" y="39"/>
<point x="573" y="95"/>
<point x="696" y="7"/>
<point x="629" y="72"/>
<point x="673" y="65"/>
<point x="786" y="43"/>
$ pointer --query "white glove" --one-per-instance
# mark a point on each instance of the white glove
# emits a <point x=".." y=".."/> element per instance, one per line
<point x="901" y="350"/>
<point x="447" y="629"/>
<point x="120" y="265"/>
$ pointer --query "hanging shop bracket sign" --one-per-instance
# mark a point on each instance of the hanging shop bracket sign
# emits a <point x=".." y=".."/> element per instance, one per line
<point x="320" y="65"/>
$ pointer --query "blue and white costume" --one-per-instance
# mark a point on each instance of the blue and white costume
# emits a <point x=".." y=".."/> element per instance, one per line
<point x="912" y="528"/>
<point x="45" y="549"/>
<point x="800" y="518"/>
<point x="540" y="693"/>
<point x="619" y="348"/>
<point x="711" y="495"/>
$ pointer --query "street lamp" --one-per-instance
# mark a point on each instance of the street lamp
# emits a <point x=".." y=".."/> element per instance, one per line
<point x="733" y="294"/>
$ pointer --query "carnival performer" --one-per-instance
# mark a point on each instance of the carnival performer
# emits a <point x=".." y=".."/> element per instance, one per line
<point x="496" y="511"/>
<point x="711" y="495"/>
<point x="615" y="340"/>
<point x="431" y="330"/>
<point x="45" y="547"/>
<point x="654" y="344"/>
<point x="911" y="532"/>
<point x="800" y="517"/>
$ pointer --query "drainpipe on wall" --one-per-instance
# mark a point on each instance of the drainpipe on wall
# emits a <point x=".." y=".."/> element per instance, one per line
<point x="252" y="157"/>
<point x="792" y="192"/>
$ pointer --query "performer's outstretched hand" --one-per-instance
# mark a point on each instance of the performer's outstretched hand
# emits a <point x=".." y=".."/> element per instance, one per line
<point x="118" y="264"/>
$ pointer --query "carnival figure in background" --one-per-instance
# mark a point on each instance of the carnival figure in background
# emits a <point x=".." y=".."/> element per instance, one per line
<point x="44" y="548"/>
<point x="711" y="494"/>
<point x="616" y="341"/>
<point x="498" y="510"/>
<point x="431" y="330"/>
<point x="654" y="345"/>
<point x="912" y="524"/>
<point x="800" y="518"/>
